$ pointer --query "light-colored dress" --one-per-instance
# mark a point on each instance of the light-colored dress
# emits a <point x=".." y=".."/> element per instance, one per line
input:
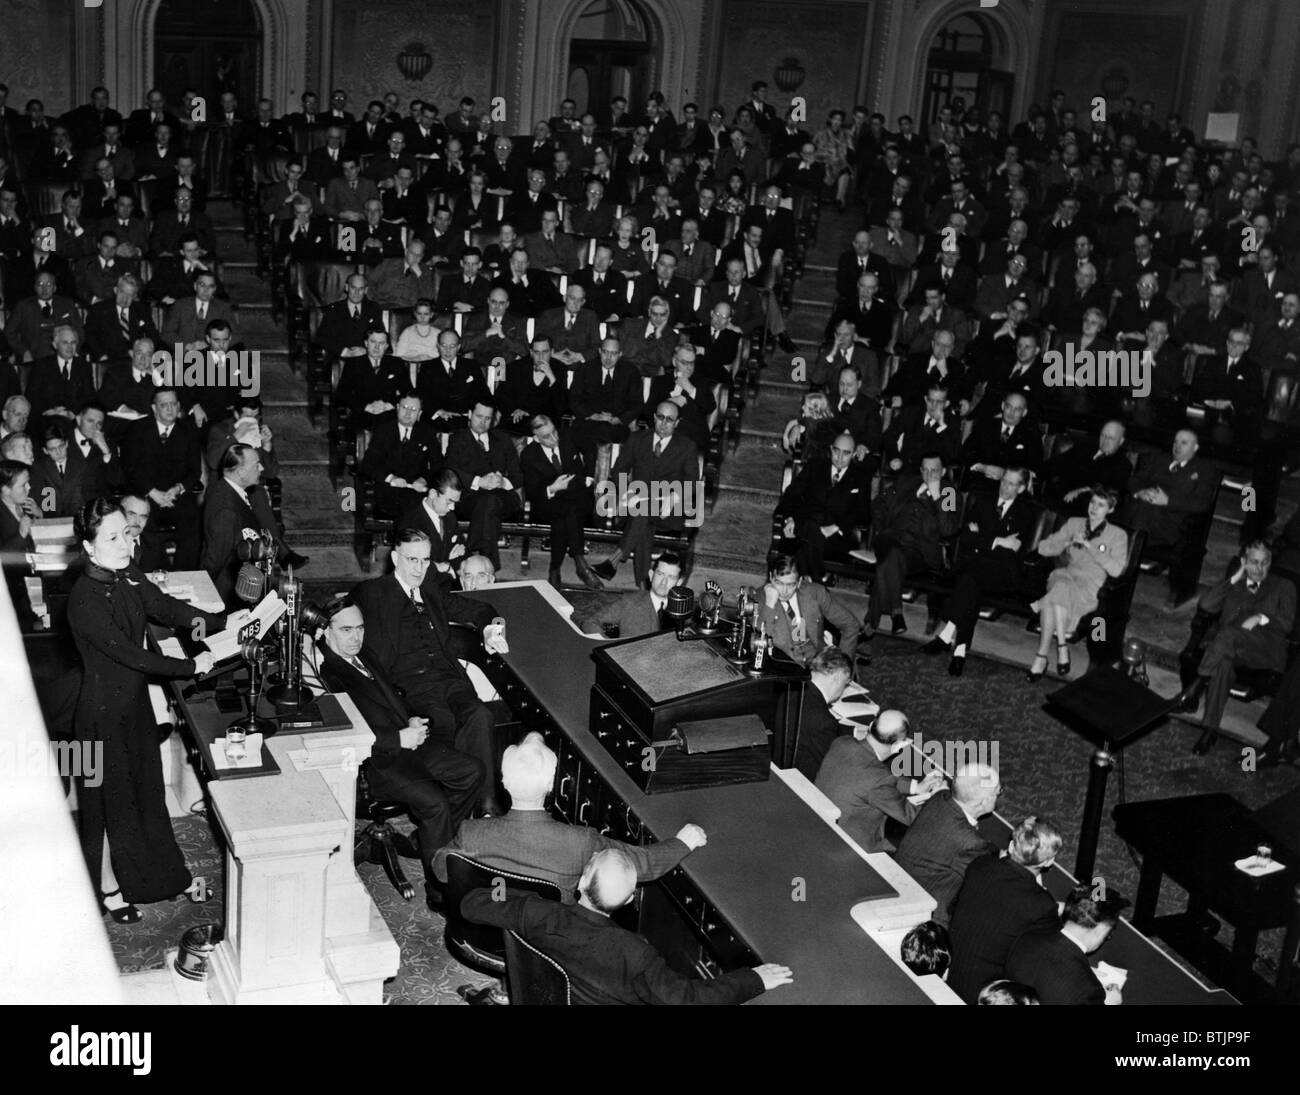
<point x="833" y="151"/>
<point x="413" y="346"/>
<point x="1082" y="571"/>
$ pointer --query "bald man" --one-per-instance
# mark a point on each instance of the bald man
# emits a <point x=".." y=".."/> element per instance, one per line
<point x="528" y="840"/>
<point x="607" y="964"/>
<point x="943" y="839"/>
<point x="858" y="775"/>
<point x="476" y="572"/>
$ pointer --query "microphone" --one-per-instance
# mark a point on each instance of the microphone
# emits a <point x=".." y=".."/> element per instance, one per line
<point x="249" y="583"/>
<point x="256" y="549"/>
<point x="680" y="606"/>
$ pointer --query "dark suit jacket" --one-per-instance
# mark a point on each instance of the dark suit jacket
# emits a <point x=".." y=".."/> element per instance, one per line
<point x="915" y="376"/>
<point x="362" y="384"/>
<point x="606" y="964"/>
<point x="1055" y="968"/>
<point x="810" y="496"/>
<point x="583" y="337"/>
<point x="466" y="456"/>
<point x="46" y="388"/>
<point x="532" y="842"/>
<point x="589" y="396"/>
<point x="1244" y="385"/>
<point x="1191" y="488"/>
<point x="635" y="615"/>
<point x="606" y="299"/>
<point x="694" y="414"/>
<point x="1023" y="449"/>
<point x="998" y="902"/>
<point x="151" y="465"/>
<point x="512" y="343"/>
<point x="378" y="701"/>
<point x="520" y="393"/>
<point x="386" y="455"/>
<point x="866" y="791"/>
<point x="453" y="290"/>
<point x="937" y="848"/>
<point x="862" y="419"/>
<point x="919" y="524"/>
<point x="679" y="463"/>
<point x="227" y="522"/>
<point x="455" y="393"/>
<point x="909" y="439"/>
<point x="338" y="330"/>
<point x="441" y="544"/>
<point x="1079" y="466"/>
<point x="104" y="337"/>
<point x="165" y="239"/>
<point x="982" y="525"/>
<point x="1275" y="598"/>
<point x="746" y="309"/>
<point x="29" y="332"/>
<point x="181" y="322"/>
<point x="388" y="611"/>
<point x="94" y="281"/>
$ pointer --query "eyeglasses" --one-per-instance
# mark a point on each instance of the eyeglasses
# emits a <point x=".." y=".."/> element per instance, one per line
<point x="665" y="418"/>
<point x="415" y="560"/>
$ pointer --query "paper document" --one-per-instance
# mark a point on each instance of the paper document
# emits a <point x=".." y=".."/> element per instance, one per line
<point x="226" y="645"/>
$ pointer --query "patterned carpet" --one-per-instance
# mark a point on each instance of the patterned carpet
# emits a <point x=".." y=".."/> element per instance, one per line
<point x="1043" y="766"/>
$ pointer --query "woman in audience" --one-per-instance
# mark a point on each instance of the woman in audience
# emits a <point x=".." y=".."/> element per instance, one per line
<point x="419" y="341"/>
<point x="496" y="256"/>
<point x="629" y="259"/>
<point x="832" y="145"/>
<point x="754" y="137"/>
<point x="1092" y="550"/>
<point x="1090" y="338"/>
<point x="814" y="429"/>
<point x="126" y="835"/>
<point x="734" y="199"/>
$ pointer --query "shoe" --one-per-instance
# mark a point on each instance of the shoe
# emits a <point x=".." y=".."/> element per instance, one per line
<point x="490" y="994"/>
<point x="1205" y="742"/>
<point x="293" y="559"/>
<point x="1063" y="664"/>
<point x="1037" y="674"/>
<point x="1190" y="699"/>
<point x="899" y="623"/>
<point x="605" y="570"/>
<point x="957" y="665"/>
<point x="934" y="647"/>
<point x="553" y="576"/>
<point x="786" y="343"/>
<point x="585" y="574"/>
<point x="127" y="914"/>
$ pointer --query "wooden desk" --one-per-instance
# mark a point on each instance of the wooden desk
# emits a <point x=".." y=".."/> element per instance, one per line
<point x="774" y="883"/>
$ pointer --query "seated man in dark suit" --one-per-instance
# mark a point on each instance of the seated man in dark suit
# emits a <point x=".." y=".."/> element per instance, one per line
<point x="656" y="482"/>
<point x="113" y="325"/>
<point x="1164" y="493"/>
<point x="796" y="614"/>
<point x="488" y="465"/>
<point x="991" y="549"/>
<point x="345" y="324"/>
<point x="401" y="458"/>
<point x="915" y="431"/>
<point x="829" y="674"/>
<point x="607" y="964"/>
<point x="694" y="401"/>
<point x="449" y="385"/>
<point x="96" y="275"/>
<point x="995" y="444"/>
<point x="911" y="519"/>
<point x="557" y="487"/>
<point x="859" y="414"/>
<point x="409" y="635"/>
<point x="438" y="783"/>
<point x="31" y="322"/>
<point x="62" y="381"/>
<point x="606" y="400"/>
<point x="573" y="329"/>
<point x="642" y="612"/>
<point x="919" y="371"/>
<point x="528" y="840"/>
<point x="1071" y="475"/>
<point x="533" y="385"/>
<point x="824" y="507"/>
<point x="163" y="462"/>
<point x="1231" y="381"/>
<point x="1055" y="963"/>
<point x="435" y="516"/>
<point x="371" y="385"/>
<point x="717" y="346"/>
<point x="174" y="273"/>
<point x="1000" y="900"/>
<point x="495" y="334"/>
<point x="861" y="777"/>
<point x="944" y="839"/>
<point x="1254" y="611"/>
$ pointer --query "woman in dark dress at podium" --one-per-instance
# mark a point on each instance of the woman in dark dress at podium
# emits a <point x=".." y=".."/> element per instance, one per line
<point x="126" y="835"/>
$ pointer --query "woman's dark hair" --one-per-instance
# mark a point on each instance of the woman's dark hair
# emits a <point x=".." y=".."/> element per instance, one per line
<point x="1112" y="499"/>
<point x="9" y="470"/>
<point x="86" y="524"/>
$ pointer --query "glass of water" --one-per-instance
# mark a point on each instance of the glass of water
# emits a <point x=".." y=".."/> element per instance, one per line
<point x="235" y="749"/>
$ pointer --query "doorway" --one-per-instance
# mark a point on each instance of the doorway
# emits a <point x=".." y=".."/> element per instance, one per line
<point x="609" y="55"/>
<point x="965" y="61"/>
<point x="211" y="46"/>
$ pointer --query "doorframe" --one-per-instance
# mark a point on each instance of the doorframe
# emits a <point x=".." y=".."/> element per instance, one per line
<point x="646" y="49"/>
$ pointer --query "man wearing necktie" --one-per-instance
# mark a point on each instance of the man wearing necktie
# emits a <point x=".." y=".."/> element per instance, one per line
<point x="1254" y="610"/>
<point x="400" y="458"/>
<point x="408" y="636"/>
<point x="1232" y="382"/>
<point x="559" y="491"/>
<point x="643" y="612"/>
<point x="994" y="542"/>
<point x="488" y="465"/>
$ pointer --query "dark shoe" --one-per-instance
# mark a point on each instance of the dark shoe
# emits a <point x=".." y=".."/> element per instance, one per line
<point x="127" y="914"/>
<point x="293" y="559"/>
<point x="935" y="646"/>
<point x="1271" y="756"/>
<point x="491" y="994"/>
<point x="957" y="665"/>
<point x="1205" y="742"/>
<point x="553" y="576"/>
<point x="605" y="570"/>
<point x="1036" y="674"/>
<point x="899" y="623"/>
<point x="585" y="574"/>
<point x="1063" y="664"/>
<point x="786" y="343"/>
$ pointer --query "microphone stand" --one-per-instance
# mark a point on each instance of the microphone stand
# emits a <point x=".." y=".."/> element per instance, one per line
<point x="287" y="692"/>
<point x="252" y="723"/>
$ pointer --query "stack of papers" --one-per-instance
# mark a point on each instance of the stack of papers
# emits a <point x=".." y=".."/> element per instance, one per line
<point x="226" y="645"/>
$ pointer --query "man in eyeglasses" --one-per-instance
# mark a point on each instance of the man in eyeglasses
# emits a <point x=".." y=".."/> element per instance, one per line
<point x="409" y="635"/>
<point x="824" y="506"/>
<point x="657" y="485"/>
